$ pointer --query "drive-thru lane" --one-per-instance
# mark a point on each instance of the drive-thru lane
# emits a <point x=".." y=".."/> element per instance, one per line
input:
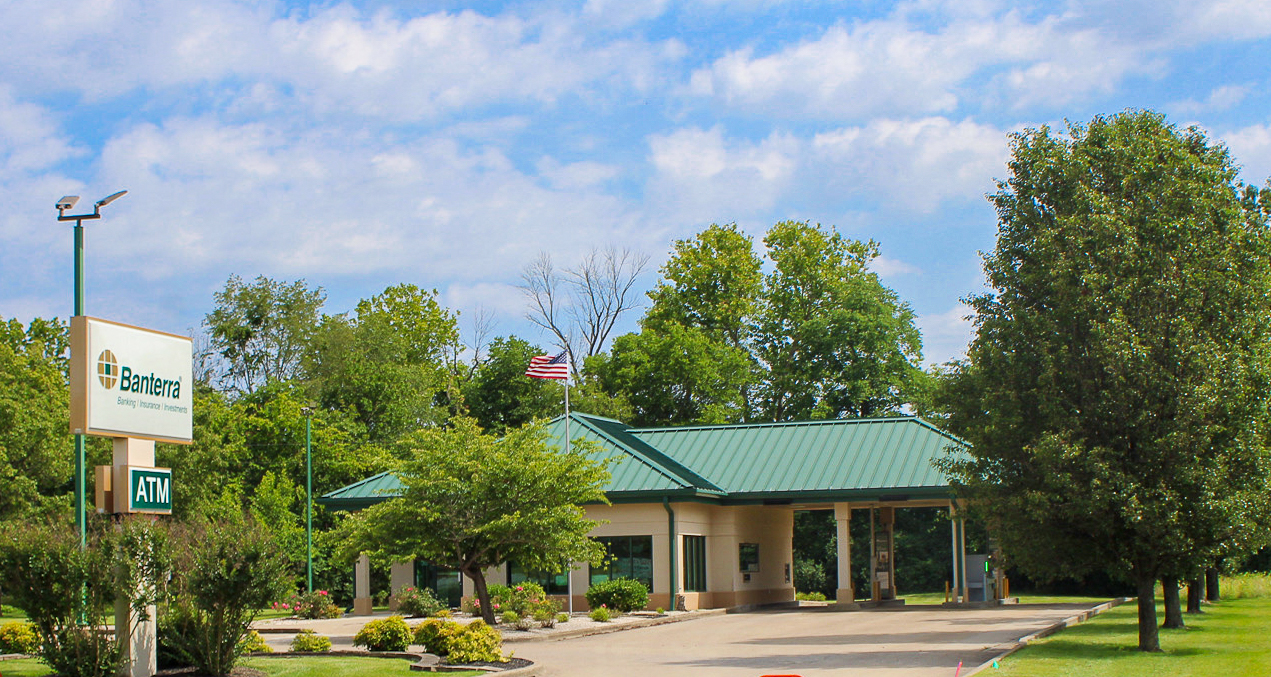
<point x="916" y="641"/>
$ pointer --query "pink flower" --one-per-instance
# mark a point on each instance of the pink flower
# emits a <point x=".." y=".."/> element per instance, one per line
<point x="322" y="592"/>
<point x="496" y="606"/>
<point x="519" y="588"/>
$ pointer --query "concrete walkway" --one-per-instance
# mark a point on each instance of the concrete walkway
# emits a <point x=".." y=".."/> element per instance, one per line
<point x="914" y="642"/>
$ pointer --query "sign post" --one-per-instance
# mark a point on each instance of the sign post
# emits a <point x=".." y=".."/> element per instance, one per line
<point x="135" y="386"/>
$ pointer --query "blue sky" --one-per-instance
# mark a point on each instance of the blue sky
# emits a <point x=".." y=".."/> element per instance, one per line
<point x="446" y="144"/>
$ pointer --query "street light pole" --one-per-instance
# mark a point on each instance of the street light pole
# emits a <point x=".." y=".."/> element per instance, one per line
<point x="308" y="412"/>
<point x="68" y="202"/>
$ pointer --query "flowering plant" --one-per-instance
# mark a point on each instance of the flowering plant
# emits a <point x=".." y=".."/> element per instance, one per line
<point x="316" y="604"/>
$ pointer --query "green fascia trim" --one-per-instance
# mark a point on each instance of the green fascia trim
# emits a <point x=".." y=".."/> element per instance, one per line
<point x="616" y="432"/>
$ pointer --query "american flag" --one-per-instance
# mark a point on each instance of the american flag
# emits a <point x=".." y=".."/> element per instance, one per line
<point x="547" y="366"/>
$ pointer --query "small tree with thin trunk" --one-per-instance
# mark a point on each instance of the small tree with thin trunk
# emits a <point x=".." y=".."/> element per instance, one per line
<point x="471" y="501"/>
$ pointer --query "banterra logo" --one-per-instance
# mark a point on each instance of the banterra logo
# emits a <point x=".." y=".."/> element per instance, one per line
<point x="109" y="373"/>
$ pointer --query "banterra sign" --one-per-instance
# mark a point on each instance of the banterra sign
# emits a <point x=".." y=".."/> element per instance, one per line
<point x="130" y="382"/>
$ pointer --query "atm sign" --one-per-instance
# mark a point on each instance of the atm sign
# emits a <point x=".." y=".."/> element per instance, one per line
<point x="150" y="490"/>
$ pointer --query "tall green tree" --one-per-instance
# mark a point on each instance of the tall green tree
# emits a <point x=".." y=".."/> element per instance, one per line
<point x="387" y="362"/>
<point x="834" y="340"/>
<point x="261" y="330"/>
<point x="1115" y="394"/>
<point x="712" y="282"/>
<point x="675" y="374"/>
<point x="471" y="501"/>
<point x="35" y="452"/>
<point x="501" y="397"/>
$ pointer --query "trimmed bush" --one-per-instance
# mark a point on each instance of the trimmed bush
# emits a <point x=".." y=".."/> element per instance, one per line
<point x="471" y="643"/>
<point x="600" y="614"/>
<point x="435" y="635"/>
<point x="385" y="634"/>
<point x="810" y="596"/>
<point x="619" y="594"/>
<point x="254" y="643"/>
<point x="562" y="617"/>
<point x="476" y="642"/>
<point x="545" y="619"/>
<point x="308" y="641"/>
<point x="509" y="617"/>
<point x="19" y="637"/>
<point x="412" y="601"/>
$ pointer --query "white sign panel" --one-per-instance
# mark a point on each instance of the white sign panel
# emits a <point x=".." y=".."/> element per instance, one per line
<point x="130" y="382"/>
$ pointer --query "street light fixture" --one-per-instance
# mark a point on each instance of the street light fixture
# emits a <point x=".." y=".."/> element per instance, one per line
<point x="308" y="412"/>
<point x="69" y="202"/>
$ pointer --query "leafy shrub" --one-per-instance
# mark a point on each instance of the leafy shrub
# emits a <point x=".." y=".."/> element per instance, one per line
<point x="509" y="617"/>
<point x="385" y="634"/>
<point x="19" y="637"/>
<point x="253" y="643"/>
<point x="435" y="635"/>
<point x="619" y="594"/>
<point x="545" y="619"/>
<point x="660" y="611"/>
<point x="600" y="614"/>
<point x="476" y="642"/>
<point x="224" y="573"/>
<point x="562" y="617"/>
<point x="316" y="604"/>
<point x="810" y="596"/>
<point x="310" y="642"/>
<point x="470" y="605"/>
<point x="469" y="643"/>
<point x="44" y="571"/>
<point x="412" y="601"/>
<point x="440" y="613"/>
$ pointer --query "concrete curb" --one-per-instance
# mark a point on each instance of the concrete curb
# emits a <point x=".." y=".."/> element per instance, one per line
<point x="604" y="630"/>
<point x="1048" y="631"/>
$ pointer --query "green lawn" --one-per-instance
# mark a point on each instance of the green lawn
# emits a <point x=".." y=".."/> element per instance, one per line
<point x="308" y="666"/>
<point x="24" y="667"/>
<point x="938" y="598"/>
<point x="1230" y="640"/>
<point x="341" y="666"/>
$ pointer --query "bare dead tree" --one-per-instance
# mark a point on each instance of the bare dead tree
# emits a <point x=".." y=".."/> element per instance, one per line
<point x="580" y="306"/>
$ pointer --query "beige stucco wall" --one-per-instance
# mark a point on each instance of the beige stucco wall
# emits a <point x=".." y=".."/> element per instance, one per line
<point x="725" y="528"/>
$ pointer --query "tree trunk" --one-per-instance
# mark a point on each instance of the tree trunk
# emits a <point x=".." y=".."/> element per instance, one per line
<point x="1211" y="584"/>
<point x="1149" y="638"/>
<point x="483" y="595"/>
<point x="1194" y="594"/>
<point x="1173" y="609"/>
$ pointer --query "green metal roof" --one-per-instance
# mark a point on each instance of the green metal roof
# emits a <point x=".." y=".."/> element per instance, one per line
<point x="849" y="456"/>
<point x="363" y="494"/>
<point x="814" y="460"/>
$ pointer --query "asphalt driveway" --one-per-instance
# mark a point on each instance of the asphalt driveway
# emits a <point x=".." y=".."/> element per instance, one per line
<point x="917" y="642"/>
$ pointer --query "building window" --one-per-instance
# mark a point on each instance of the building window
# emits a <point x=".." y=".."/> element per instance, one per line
<point x="748" y="557"/>
<point x="629" y="557"/>
<point x="695" y="564"/>
<point x="446" y="585"/>
<point x="553" y="584"/>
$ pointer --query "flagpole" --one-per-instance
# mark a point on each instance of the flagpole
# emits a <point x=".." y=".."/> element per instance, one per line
<point x="569" y="571"/>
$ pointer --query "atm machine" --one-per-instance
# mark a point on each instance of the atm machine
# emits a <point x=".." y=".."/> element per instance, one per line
<point x="882" y="553"/>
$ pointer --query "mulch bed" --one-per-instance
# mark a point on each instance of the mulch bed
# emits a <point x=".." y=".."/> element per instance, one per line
<point x="239" y="671"/>
<point x="512" y="664"/>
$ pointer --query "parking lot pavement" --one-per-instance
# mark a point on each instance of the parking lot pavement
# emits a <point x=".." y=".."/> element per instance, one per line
<point x="914" y="642"/>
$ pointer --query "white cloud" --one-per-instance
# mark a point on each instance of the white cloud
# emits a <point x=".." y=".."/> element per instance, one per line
<point x="30" y="140"/>
<point x="945" y="336"/>
<point x="1251" y="148"/>
<point x="249" y="198"/>
<point x="702" y="177"/>
<point x="889" y="267"/>
<point x="913" y="164"/>
<point x="1220" y="99"/>
<point x="333" y="61"/>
